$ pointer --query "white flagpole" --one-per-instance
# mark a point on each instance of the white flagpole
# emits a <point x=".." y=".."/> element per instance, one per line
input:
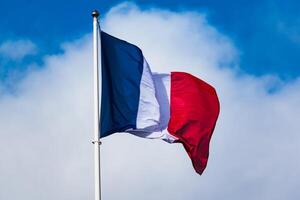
<point x="97" y="102"/>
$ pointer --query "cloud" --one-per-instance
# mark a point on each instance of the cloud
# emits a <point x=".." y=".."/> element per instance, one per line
<point x="18" y="49"/>
<point x="46" y="127"/>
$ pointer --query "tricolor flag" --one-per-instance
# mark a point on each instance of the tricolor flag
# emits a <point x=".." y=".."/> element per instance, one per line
<point x="176" y="107"/>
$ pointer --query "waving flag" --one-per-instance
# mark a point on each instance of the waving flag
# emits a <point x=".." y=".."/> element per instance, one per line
<point x="175" y="107"/>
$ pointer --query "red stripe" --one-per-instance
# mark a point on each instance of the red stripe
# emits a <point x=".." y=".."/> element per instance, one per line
<point x="193" y="115"/>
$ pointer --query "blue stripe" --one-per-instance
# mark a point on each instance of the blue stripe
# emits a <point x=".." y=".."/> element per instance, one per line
<point x="122" y="68"/>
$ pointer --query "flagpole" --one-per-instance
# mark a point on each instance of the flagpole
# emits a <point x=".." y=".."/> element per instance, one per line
<point x="97" y="102"/>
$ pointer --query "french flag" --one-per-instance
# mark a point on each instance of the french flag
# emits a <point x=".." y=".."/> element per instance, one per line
<point x="176" y="107"/>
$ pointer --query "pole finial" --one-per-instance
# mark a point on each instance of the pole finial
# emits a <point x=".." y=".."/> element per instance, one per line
<point x="95" y="13"/>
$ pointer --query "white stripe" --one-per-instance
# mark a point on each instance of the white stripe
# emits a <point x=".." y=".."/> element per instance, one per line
<point x="163" y="93"/>
<point x="154" y="106"/>
<point x="148" y="111"/>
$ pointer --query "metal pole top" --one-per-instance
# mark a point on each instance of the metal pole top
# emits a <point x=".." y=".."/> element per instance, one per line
<point x="95" y="13"/>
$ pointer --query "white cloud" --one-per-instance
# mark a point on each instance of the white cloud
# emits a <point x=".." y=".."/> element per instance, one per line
<point x="18" y="49"/>
<point x="45" y="149"/>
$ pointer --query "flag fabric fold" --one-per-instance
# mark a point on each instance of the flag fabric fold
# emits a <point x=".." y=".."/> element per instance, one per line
<point x="175" y="107"/>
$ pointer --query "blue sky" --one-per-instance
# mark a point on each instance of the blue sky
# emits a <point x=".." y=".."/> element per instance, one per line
<point x="266" y="32"/>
